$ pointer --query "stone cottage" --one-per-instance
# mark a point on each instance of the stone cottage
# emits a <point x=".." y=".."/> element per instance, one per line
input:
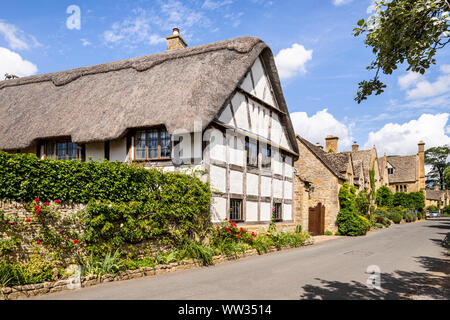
<point x="217" y="107"/>
<point x="406" y="173"/>
<point x="436" y="197"/>
<point x="318" y="177"/>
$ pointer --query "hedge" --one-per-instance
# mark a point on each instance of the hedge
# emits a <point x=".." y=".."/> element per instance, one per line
<point x="25" y="177"/>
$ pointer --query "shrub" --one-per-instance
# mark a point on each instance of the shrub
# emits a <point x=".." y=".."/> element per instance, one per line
<point x="446" y="211"/>
<point x="350" y="224"/>
<point x="97" y="265"/>
<point x="432" y="208"/>
<point x="25" y="177"/>
<point x="396" y="217"/>
<point x="362" y="203"/>
<point x="328" y="233"/>
<point x="385" y="197"/>
<point x="200" y="252"/>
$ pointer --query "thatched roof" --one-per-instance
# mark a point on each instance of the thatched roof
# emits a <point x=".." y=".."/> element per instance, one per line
<point x="334" y="163"/>
<point x="102" y="102"/>
<point x="405" y="169"/>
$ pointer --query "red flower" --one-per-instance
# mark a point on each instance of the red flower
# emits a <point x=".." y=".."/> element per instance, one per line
<point x="75" y="241"/>
<point x="28" y="220"/>
<point x="12" y="223"/>
<point x="36" y="208"/>
<point x="46" y="204"/>
<point x="238" y="236"/>
<point x="251" y="240"/>
<point x="66" y="237"/>
<point x="226" y="219"/>
<point x="38" y="242"/>
<point x="218" y="228"/>
<point x="230" y="231"/>
<point x="57" y="201"/>
<point x="60" y="231"/>
<point x="37" y="200"/>
<point x="38" y="212"/>
<point x="242" y="229"/>
<point x="6" y="221"/>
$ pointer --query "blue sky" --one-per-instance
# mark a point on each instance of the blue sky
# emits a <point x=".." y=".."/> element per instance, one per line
<point x="319" y="60"/>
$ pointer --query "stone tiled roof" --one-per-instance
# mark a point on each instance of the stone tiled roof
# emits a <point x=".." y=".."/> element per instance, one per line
<point x="434" y="194"/>
<point x="404" y="169"/>
<point x="333" y="162"/>
<point x="357" y="169"/>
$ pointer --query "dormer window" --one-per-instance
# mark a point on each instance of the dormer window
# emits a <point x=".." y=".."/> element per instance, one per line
<point x="390" y="170"/>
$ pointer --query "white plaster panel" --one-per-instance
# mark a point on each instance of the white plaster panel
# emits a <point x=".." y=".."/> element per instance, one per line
<point x="266" y="186"/>
<point x="288" y="167"/>
<point x="247" y="84"/>
<point x="287" y="212"/>
<point x="266" y="212"/>
<point x="95" y="151"/>
<point x="277" y="188"/>
<point x="236" y="150"/>
<point x="236" y="182"/>
<point x="277" y="162"/>
<point x="218" y="178"/>
<point x="227" y="116"/>
<point x="260" y="79"/>
<point x="252" y="211"/>
<point x="252" y="184"/>
<point x="288" y="190"/>
<point x="118" y="150"/>
<point x="217" y="146"/>
<point x="240" y="111"/>
<point x="218" y="209"/>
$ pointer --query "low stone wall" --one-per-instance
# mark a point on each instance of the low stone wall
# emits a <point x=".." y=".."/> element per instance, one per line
<point x="31" y="290"/>
<point x="16" y="208"/>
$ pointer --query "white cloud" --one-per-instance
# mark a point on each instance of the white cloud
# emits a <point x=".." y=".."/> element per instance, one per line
<point x="420" y="88"/>
<point x="212" y="5"/>
<point x="426" y="89"/>
<point x="409" y="79"/>
<point x="13" y="63"/>
<point x="371" y="9"/>
<point x="402" y="139"/>
<point x="341" y="2"/>
<point x="85" y="42"/>
<point x="292" y="61"/>
<point x="17" y="39"/>
<point x="317" y="127"/>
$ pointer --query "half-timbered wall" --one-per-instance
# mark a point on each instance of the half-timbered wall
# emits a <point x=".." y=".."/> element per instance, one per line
<point x="253" y="113"/>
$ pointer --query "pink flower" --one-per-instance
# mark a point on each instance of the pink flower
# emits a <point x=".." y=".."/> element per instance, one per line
<point x="60" y="231"/>
<point x="66" y="237"/>
<point x="75" y="241"/>
<point x="46" y="204"/>
<point x="38" y="242"/>
<point x="6" y="221"/>
<point x="12" y="223"/>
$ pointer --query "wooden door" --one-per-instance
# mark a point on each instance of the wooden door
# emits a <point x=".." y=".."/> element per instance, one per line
<point x="317" y="220"/>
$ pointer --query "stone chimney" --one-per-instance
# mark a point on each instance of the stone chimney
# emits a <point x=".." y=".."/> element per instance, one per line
<point x="175" y="41"/>
<point x="421" y="155"/>
<point x="355" y="147"/>
<point x="437" y="188"/>
<point x="331" y="144"/>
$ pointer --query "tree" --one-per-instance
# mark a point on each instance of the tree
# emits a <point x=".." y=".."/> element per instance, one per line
<point x="362" y="203"/>
<point x="447" y="178"/>
<point x="401" y="31"/>
<point x="437" y="159"/>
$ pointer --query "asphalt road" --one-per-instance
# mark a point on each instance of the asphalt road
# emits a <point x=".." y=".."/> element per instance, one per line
<point x="412" y="262"/>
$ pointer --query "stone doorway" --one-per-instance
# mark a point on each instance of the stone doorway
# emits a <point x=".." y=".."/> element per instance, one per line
<point x="316" y="221"/>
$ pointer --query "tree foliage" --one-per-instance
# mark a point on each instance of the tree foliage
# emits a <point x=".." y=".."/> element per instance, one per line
<point x="384" y="197"/>
<point x="437" y="158"/>
<point x="400" y="31"/>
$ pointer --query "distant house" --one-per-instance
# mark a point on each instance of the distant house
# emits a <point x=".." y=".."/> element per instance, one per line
<point x="406" y="173"/>
<point x="437" y="198"/>
<point x="217" y="107"/>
